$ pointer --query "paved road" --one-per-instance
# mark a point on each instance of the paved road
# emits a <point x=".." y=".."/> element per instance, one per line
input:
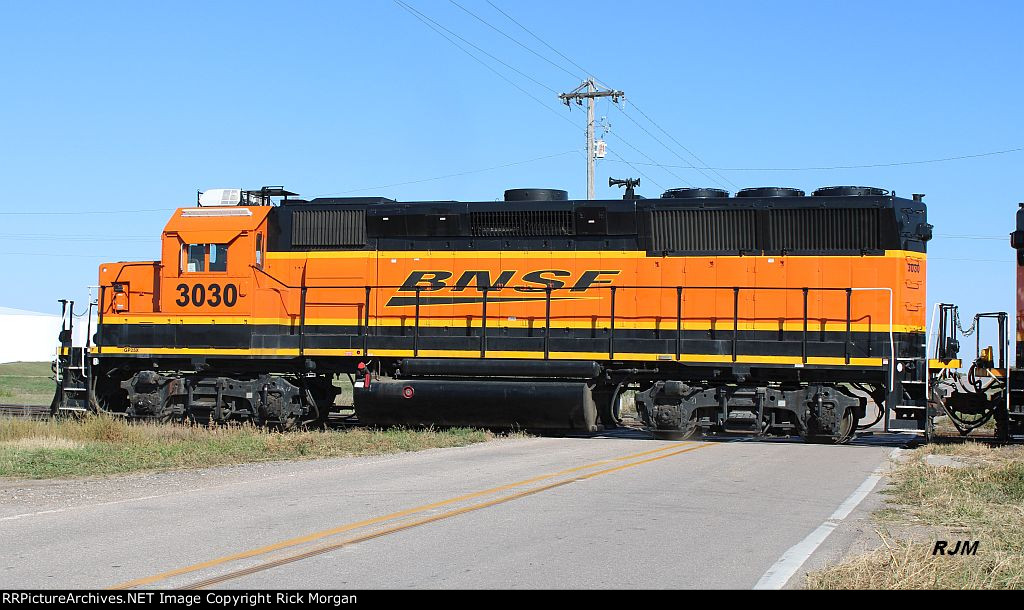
<point x="608" y="512"/>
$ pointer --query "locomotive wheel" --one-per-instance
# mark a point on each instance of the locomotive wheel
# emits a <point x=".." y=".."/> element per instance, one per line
<point x="847" y="428"/>
<point x="678" y="435"/>
<point x="316" y="423"/>
<point x="108" y="396"/>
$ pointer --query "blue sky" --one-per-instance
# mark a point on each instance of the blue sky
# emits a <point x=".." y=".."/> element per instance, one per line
<point x="134" y="106"/>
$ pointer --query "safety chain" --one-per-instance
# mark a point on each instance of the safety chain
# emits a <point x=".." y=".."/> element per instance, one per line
<point x="969" y="331"/>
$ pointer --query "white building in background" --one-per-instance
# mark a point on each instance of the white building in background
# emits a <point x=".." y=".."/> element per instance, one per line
<point x="28" y="336"/>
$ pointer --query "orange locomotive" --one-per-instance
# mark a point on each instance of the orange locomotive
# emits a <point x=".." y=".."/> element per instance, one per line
<point x="768" y="312"/>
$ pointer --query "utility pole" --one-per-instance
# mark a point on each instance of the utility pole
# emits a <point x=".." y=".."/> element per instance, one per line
<point x="589" y="91"/>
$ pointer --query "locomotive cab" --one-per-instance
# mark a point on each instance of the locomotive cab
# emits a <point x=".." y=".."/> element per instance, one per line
<point x="173" y="336"/>
<point x="209" y="256"/>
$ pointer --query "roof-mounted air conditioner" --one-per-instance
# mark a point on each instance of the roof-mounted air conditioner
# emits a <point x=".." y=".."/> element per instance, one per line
<point x="220" y="197"/>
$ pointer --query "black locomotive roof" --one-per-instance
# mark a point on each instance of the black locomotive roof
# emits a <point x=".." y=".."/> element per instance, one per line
<point x="746" y="201"/>
<point x="853" y="220"/>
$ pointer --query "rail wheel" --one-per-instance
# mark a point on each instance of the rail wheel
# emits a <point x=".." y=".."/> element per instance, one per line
<point x="687" y="432"/>
<point x="847" y="429"/>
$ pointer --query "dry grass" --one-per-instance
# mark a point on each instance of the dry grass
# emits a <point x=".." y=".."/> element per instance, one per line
<point x="908" y="564"/>
<point x="982" y="500"/>
<point x="41" y="442"/>
<point x="944" y="428"/>
<point x="104" y="445"/>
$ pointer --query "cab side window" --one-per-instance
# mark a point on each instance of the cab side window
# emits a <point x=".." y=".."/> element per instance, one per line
<point x="259" y="250"/>
<point x="196" y="258"/>
<point x="203" y="257"/>
<point x="218" y="257"/>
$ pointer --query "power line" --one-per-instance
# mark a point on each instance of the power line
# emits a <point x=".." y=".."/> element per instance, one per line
<point x="972" y="260"/>
<point x="427" y="21"/>
<point x="481" y="20"/>
<point x="63" y="235"/>
<point x="72" y="238"/>
<point x="58" y="237"/>
<point x="516" y="70"/>
<point x="864" y="166"/>
<point x="432" y="23"/>
<point x="985" y="237"/>
<point x="653" y="163"/>
<point x="79" y="213"/>
<point x="525" y="29"/>
<point x="589" y="152"/>
<point x="636" y="169"/>
<point x="645" y="115"/>
<point x="680" y="145"/>
<point x="705" y="166"/>
<point x="51" y="254"/>
<point x="465" y="173"/>
<point x="658" y="140"/>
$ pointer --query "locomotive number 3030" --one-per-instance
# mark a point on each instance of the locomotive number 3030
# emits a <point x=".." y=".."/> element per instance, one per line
<point x="211" y="294"/>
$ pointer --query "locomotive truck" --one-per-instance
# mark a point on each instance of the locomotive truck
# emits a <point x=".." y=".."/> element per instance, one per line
<point x="770" y="312"/>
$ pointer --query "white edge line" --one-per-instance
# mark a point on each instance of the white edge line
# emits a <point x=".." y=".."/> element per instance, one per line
<point x="82" y="507"/>
<point x="793" y="559"/>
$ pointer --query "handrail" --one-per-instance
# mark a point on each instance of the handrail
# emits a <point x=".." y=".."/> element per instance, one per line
<point x="679" y="322"/>
<point x="892" y="340"/>
<point x="539" y="289"/>
<point x="849" y="329"/>
<point x="302" y="321"/>
<point x="611" y="332"/>
<point x="735" y="320"/>
<point x="483" y="326"/>
<point x="416" y="330"/>
<point x="366" y="319"/>
<point x="549" y="289"/>
<point x="804" y="342"/>
<point x="547" y="320"/>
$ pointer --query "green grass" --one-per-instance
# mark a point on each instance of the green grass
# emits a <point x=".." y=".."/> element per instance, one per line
<point x="29" y="383"/>
<point x="102" y="445"/>
<point x="983" y="501"/>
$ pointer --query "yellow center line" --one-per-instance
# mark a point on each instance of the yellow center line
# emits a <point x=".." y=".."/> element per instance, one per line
<point x="372" y="521"/>
<point x="434" y="518"/>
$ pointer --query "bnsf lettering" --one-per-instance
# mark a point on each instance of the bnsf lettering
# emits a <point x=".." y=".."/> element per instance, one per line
<point x="434" y="279"/>
<point x="538" y="277"/>
<point x="211" y="294"/>
<point x="483" y="278"/>
<point x="589" y="278"/>
<point x="428" y="281"/>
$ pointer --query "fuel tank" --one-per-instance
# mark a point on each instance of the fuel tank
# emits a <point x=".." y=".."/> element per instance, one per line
<point x="543" y="405"/>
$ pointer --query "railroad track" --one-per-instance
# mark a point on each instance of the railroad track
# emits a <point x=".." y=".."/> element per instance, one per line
<point x="27" y="411"/>
<point x="43" y="411"/>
